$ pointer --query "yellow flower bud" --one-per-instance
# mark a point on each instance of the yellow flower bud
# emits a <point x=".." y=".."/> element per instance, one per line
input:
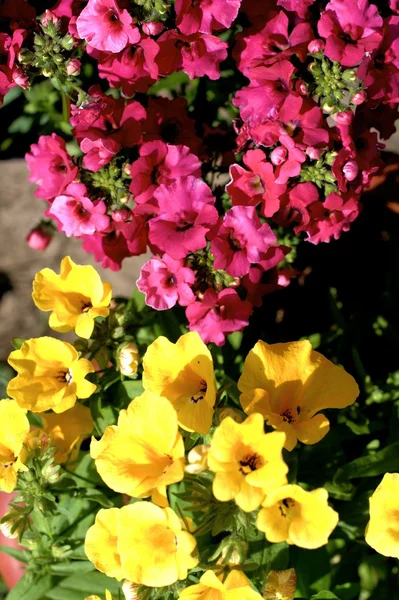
<point x="197" y="459"/>
<point x="129" y="360"/>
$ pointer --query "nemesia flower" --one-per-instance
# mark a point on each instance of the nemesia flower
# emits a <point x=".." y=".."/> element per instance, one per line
<point x="205" y="16"/>
<point x="67" y="431"/>
<point x="298" y="6"/>
<point x="77" y="214"/>
<point x="382" y="531"/>
<point x="291" y="514"/>
<point x="235" y="586"/>
<point x="289" y="384"/>
<point x="217" y="315"/>
<point x="39" y="237"/>
<point x="76" y="297"/>
<point x="183" y="373"/>
<point x="144" y="452"/>
<point x="182" y="225"/>
<point x="141" y="542"/>
<point x="50" y="375"/>
<point x="165" y="281"/>
<point x="98" y="152"/>
<point x="248" y="462"/>
<point x="14" y="427"/>
<point x="168" y="120"/>
<point x="108" y="249"/>
<point x="105" y="27"/>
<point x="50" y="166"/>
<point x="241" y="240"/>
<point x="332" y="217"/>
<point x="280" y="585"/>
<point x="350" y="31"/>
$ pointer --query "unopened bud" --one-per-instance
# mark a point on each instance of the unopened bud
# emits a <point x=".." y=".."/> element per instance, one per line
<point x="301" y="88"/>
<point x="328" y="107"/>
<point x="350" y="170"/>
<point x="121" y="215"/>
<point x="39" y="237"/>
<point x="349" y="75"/>
<point x="330" y="157"/>
<point x="128" y="359"/>
<point x="279" y="156"/>
<point x="153" y="28"/>
<point x="343" y="118"/>
<point x="37" y="440"/>
<point x="49" y="17"/>
<point x="316" y="46"/>
<point x="197" y="459"/>
<point x="314" y="153"/>
<point x="314" y="68"/>
<point x="20" y="79"/>
<point x="10" y="525"/>
<point x="51" y="473"/>
<point x="73" y="67"/>
<point x="68" y="42"/>
<point x="130" y="590"/>
<point x="46" y="72"/>
<point x="232" y="413"/>
<point x="359" y="98"/>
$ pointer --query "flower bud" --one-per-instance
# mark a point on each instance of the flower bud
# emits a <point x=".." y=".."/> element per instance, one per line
<point x="49" y="17"/>
<point x="314" y="153"/>
<point x="153" y="28"/>
<point x="343" y="118"/>
<point x="11" y="522"/>
<point x="349" y="75"/>
<point x="68" y="42"/>
<point x="316" y="46"/>
<point x="197" y="459"/>
<point x="279" y="156"/>
<point x="350" y="170"/>
<point x="46" y="72"/>
<point x="121" y="215"/>
<point x="128" y="359"/>
<point x="129" y="590"/>
<point x="301" y="88"/>
<point x="330" y="157"/>
<point x="232" y="413"/>
<point x="73" y="67"/>
<point x="328" y="106"/>
<point x="359" y="98"/>
<point x="20" y="79"/>
<point x="315" y="69"/>
<point x="51" y="473"/>
<point x="39" y="237"/>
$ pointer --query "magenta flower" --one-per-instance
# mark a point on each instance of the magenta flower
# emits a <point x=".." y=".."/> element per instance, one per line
<point x="205" y="15"/>
<point x="186" y="214"/>
<point x="50" y="166"/>
<point x="77" y="214"/>
<point x="105" y="27"/>
<point x="241" y="241"/>
<point x="218" y="315"/>
<point x="98" y="151"/>
<point x="351" y="30"/>
<point x="108" y="249"/>
<point x="197" y="55"/>
<point x="332" y="217"/>
<point x="165" y="281"/>
<point x="168" y="120"/>
<point x="298" y="6"/>
<point x="160" y="163"/>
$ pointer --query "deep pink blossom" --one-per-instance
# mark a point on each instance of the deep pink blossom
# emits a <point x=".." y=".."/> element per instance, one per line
<point x="296" y="209"/>
<point x="10" y="71"/>
<point x="331" y="218"/>
<point x="98" y="152"/>
<point x="299" y="6"/>
<point x="160" y="163"/>
<point x="304" y="121"/>
<point x="39" y="237"/>
<point x="273" y="43"/>
<point x="241" y="241"/>
<point x="77" y="214"/>
<point x="198" y="55"/>
<point x="205" y="15"/>
<point x="50" y="166"/>
<point x="168" y="120"/>
<point x="108" y="249"/>
<point x="186" y="214"/>
<point x="105" y="27"/>
<point x="292" y="166"/>
<point x="165" y="281"/>
<point x="351" y="30"/>
<point x="218" y="315"/>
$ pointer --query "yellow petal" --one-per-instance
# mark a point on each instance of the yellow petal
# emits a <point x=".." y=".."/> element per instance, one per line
<point x="101" y="543"/>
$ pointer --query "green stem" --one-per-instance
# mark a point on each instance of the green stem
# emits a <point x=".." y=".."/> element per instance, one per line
<point x="65" y="106"/>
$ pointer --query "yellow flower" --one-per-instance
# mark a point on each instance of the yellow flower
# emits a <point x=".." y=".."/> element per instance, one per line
<point x="382" y="531"/>
<point x="197" y="459"/>
<point x="14" y="427"/>
<point x="68" y="430"/>
<point x="280" y="585"/>
<point x="183" y="373"/>
<point x="128" y="359"/>
<point x="289" y="383"/>
<point x="141" y="542"/>
<point x="291" y="514"/>
<point x="76" y="297"/>
<point x="235" y="587"/>
<point x="107" y="596"/>
<point x="143" y="453"/>
<point x="248" y="462"/>
<point x="50" y="375"/>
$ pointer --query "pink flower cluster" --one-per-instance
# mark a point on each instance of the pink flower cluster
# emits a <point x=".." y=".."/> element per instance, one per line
<point x="311" y="84"/>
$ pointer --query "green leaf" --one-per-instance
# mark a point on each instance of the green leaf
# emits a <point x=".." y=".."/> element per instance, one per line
<point x="17" y="342"/>
<point x="133" y="387"/>
<point x="72" y="568"/>
<point x="383" y="461"/>
<point x="29" y="588"/>
<point x="312" y="568"/>
<point x="97" y="496"/>
<point x="324" y="595"/>
<point x="90" y="583"/>
<point x="20" y="555"/>
<point x="12" y="95"/>
<point x="22" y="124"/>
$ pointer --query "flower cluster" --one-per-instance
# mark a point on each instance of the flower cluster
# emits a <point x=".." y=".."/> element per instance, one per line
<point x="155" y="173"/>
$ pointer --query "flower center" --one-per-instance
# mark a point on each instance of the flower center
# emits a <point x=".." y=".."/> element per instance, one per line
<point x="250" y="462"/>
<point x="200" y="395"/>
<point x="65" y="376"/>
<point x="285" y="505"/>
<point x="113" y="16"/>
<point x="7" y="458"/>
<point x="86" y="306"/>
<point x="288" y="415"/>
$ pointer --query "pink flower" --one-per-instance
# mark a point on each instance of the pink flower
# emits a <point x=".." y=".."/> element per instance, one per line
<point x="241" y="241"/>
<point x="39" y="237"/>
<point x="98" y="152"/>
<point x="292" y="166"/>
<point x="300" y="198"/>
<point x="50" y="166"/>
<point x="105" y="27"/>
<point x="168" y="120"/>
<point x="73" y="67"/>
<point x="133" y="69"/>
<point x="351" y="30"/>
<point x="198" y="55"/>
<point x="165" y="281"/>
<point x="205" y="15"/>
<point x="298" y="6"/>
<point x="109" y="249"/>
<point x="331" y="218"/>
<point x="218" y="314"/>
<point x="160" y="163"/>
<point x="77" y="214"/>
<point x="186" y="214"/>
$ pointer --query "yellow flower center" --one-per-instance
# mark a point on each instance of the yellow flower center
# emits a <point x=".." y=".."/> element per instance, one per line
<point x="250" y="462"/>
<point x="200" y="395"/>
<point x="288" y="415"/>
<point x="65" y="376"/>
<point x="285" y="505"/>
<point x="86" y="306"/>
<point x="7" y="458"/>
